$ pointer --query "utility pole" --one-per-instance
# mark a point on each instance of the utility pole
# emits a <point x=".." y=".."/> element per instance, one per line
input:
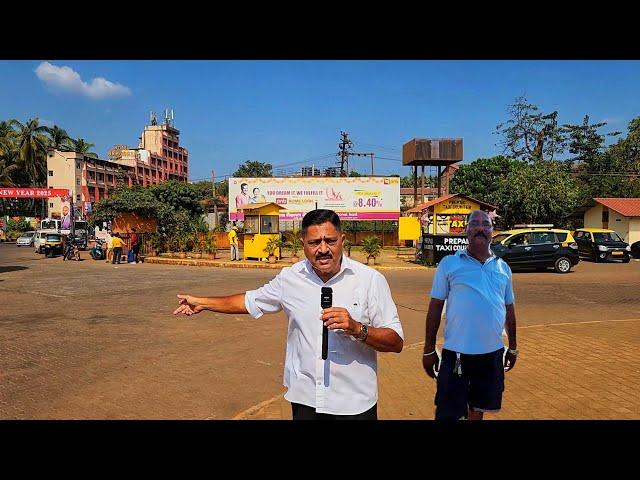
<point x="345" y="152"/>
<point x="215" y="200"/>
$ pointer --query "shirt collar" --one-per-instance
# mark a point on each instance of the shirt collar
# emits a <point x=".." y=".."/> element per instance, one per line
<point x="345" y="264"/>
<point x="465" y="253"/>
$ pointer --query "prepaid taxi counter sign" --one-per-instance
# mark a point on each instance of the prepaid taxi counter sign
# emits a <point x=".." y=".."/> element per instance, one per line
<point x="436" y="247"/>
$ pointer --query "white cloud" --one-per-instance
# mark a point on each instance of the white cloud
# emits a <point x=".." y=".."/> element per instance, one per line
<point x="65" y="79"/>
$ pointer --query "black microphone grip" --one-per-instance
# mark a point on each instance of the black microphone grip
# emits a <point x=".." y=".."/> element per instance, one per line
<point x="326" y="300"/>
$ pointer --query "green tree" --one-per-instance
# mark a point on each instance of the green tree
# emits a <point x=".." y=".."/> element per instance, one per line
<point x="485" y="179"/>
<point x="254" y="169"/>
<point x="543" y="192"/>
<point x="429" y="181"/>
<point x="81" y="146"/>
<point x="529" y="135"/>
<point x="58" y="138"/>
<point x="32" y="148"/>
<point x="6" y="171"/>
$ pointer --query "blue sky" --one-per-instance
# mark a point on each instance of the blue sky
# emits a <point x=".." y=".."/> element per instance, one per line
<point x="283" y="112"/>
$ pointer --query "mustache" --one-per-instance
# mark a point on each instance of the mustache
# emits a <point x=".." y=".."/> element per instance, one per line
<point x="323" y="256"/>
<point x="480" y="234"/>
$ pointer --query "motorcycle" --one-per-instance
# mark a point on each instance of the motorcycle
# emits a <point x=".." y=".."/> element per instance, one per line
<point x="71" y="249"/>
<point x="97" y="252"/>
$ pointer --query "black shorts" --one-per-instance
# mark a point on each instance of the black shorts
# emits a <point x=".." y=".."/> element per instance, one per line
<point x="479" y="386"/>
<point x="136" y="248"/>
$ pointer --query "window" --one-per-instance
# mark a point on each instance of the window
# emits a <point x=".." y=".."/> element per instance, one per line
<point x="51" y="173"/>
<point x="50" y="205"/>
<point x="562" y="237"/>
<point x="543" y="237"/>
<point x="77" y="180"/>
<point x="269" y="224"/>
<point x="77" y="165"/>
<point x="78" y="198"/>
<point x="251" y="224"/>
<point x="522" y="239"/>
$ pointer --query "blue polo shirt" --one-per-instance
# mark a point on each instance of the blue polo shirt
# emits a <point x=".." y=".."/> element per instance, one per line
<point x="476" y="296"/>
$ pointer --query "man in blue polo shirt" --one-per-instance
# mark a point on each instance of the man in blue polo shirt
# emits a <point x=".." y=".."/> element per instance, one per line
<point x="477" y="287"/>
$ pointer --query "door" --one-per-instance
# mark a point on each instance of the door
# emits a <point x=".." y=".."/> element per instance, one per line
<point x="545" y="246"/>
<point x="519" y="250"/>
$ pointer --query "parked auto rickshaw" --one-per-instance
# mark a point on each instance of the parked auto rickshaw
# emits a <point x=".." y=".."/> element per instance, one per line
<point x="53" y="245"/>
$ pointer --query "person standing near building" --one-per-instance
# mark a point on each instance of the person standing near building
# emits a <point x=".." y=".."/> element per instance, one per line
<point x="362" y="321"/>
<point x="233" y="242"/>
<point x="480" y="306"/>
<point x="116" y="245"/>
<point x="135" y="245"/>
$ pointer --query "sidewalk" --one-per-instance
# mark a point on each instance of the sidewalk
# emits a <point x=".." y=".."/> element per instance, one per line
<point x="388" y="259"/>
<point x="560" y="375"/>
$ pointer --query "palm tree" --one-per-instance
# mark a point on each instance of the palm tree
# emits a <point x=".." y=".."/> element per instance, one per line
<point x="32" y="146"/>
<point x="59" y="137"/>
<point x="80" y="146"/>
<point x="5" y="174"/>
<point x="5" y="178"/>
<point x="7" y="134"/>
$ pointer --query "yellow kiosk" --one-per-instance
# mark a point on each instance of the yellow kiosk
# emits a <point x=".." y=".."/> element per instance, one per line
<point x="261" y="223"/>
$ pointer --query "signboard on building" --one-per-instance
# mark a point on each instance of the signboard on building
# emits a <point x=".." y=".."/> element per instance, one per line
<point x="33" y="192"/>
<point x="352" y="198"/>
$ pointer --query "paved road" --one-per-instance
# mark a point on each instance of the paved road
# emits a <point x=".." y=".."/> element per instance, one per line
<point x="90" y="340"/>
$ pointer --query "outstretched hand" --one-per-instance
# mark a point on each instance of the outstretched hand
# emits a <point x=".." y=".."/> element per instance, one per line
<point x="188" y="305"/>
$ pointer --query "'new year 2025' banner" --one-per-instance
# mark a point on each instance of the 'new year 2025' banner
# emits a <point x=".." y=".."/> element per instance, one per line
<point x="352" y="198"/>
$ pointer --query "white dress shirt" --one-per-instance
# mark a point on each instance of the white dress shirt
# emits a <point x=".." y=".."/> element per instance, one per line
<point x="346" y="382"/>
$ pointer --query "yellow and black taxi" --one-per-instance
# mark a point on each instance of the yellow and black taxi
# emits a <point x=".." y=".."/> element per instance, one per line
<point x="537" y="246"/>
<point x="53" y="244"/>
<point x="601" y="245"/>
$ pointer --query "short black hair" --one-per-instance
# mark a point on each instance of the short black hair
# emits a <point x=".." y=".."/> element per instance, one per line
<point x="256" y="188"/>
<point x="243" y="185"/>
<point x="318" y="217"/>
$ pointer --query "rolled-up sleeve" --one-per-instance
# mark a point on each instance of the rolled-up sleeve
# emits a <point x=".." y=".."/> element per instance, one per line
<point x="382" y="309"/>
<point x="265" y="299"/>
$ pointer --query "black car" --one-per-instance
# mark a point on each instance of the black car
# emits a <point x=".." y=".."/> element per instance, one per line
<point x="537" y="248"/>
<point x="635" y="249"/>
<point x="602" y="245"/>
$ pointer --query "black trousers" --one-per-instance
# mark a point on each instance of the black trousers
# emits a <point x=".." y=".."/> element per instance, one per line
<point x="304" y="412"/>
<point x="117" y="253"/>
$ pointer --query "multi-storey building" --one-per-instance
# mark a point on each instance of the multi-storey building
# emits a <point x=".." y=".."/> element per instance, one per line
<point x="158" y="158"/>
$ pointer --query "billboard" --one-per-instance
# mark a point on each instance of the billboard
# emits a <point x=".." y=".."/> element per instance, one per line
<point x="352" y="198"/>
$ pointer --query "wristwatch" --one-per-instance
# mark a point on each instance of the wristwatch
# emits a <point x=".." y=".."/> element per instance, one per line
<point x="513" y="351"/>
<point x="364" y="331"/>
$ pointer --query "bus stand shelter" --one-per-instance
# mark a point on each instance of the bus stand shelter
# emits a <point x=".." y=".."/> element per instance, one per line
<point x="261" y="223"/>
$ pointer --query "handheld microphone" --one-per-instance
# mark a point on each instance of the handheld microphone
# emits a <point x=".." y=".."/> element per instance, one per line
<point x="326" y="300"/>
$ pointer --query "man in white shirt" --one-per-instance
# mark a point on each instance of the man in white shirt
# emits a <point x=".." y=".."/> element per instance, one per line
<point x="480" y="305"/>
<point x="362" y="320"/>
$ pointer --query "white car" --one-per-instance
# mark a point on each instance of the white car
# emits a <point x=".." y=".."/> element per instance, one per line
<point x="39" y="240"/>
<point x="26" y="239"/>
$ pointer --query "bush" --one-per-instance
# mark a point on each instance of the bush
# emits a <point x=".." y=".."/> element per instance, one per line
<point x="272" y="245"/>
<point x="371" y="246"/>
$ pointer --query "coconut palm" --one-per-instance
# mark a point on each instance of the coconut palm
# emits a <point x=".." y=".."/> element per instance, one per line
<point x="32" y="147"/>
<point x="80" y="146"/>
<point x="7" y="136"/>
<point x="59" y="138"/>
<point x="5" y="174"/>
